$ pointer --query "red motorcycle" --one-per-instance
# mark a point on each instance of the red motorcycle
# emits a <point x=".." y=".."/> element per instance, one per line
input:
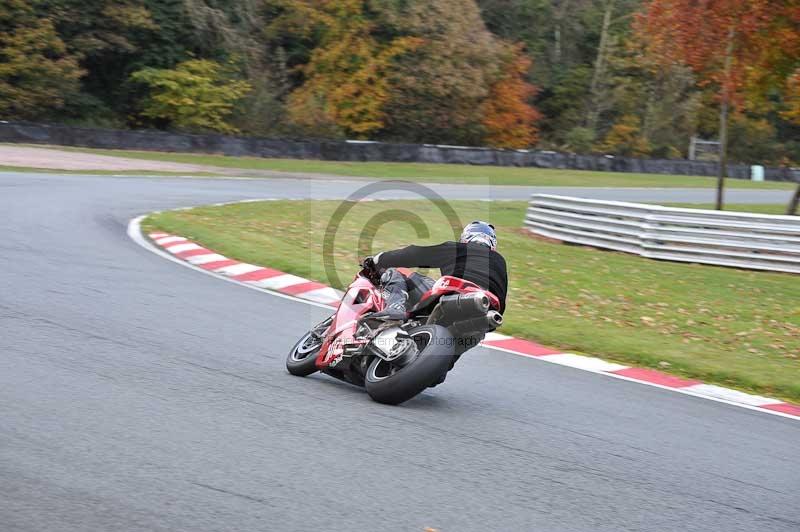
<point x="396" y="360"/>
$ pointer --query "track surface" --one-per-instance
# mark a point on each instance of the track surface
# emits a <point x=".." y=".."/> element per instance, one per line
<point x="139" y="395"/>
<point x="237" y="188"/>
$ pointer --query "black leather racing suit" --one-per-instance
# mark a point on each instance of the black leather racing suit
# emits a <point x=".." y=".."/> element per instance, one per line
<point x="473" y="262"/>
<point x="470" y="261"/>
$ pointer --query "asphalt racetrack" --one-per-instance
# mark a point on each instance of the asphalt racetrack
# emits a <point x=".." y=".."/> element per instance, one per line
<point x="136" y="394"/>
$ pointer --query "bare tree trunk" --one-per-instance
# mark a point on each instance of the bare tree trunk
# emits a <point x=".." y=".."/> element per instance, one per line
<point x="557" y="46"/>
<point x="558" y="33"/>
<point x="722" y="172"/>
<point x="722" y="169"/>
<point x="647" y="121"/>
<point x="792" y="209"/>
<point x="599" y="66"/>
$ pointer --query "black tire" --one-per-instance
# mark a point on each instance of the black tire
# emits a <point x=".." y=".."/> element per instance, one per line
<point x="301" y="360"/>
<point x="392" y="386"/>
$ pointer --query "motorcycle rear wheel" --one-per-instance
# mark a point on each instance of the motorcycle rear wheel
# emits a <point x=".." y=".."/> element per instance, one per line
<point x="390" y="384"/>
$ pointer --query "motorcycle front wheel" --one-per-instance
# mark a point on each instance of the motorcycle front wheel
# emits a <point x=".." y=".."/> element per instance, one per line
<point x="302" y="359"/>
<point x="428" y="358"/>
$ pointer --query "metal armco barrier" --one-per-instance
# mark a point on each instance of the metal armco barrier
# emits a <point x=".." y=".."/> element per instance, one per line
<point x="741" y="240"/>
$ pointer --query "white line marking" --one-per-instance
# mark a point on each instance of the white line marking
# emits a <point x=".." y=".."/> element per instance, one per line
<point x="205" y="259"/>
<point x="322" y="295"/>
<point x="712" y="390"/>
<point x="494" y="337"/>
<point x="183" y="247"/>
<point x="582" y="362"/>
<point x="239" y="269"/>
<point x="169" y="240"/>
<point x="280" y="281"/>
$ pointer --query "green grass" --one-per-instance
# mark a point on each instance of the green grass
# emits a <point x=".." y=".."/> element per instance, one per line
<point x="732" y="327"/>
<point x="440" y="173"/>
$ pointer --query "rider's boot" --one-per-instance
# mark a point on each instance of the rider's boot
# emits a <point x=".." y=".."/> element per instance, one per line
<point x="395" y="295"/>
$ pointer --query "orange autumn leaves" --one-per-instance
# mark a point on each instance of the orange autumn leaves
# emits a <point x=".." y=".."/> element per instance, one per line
<point x="366" y="71"/>
<point x="346" y="79"/>
<point x="760" y="37"/>
<point x="509" y="119"/>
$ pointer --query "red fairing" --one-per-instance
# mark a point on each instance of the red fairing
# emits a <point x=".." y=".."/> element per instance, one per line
<point x="454" y="285"/>
<point x="361" y="297"/>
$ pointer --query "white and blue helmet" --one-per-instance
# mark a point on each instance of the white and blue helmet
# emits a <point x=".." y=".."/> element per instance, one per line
<point x="480" y="233"/>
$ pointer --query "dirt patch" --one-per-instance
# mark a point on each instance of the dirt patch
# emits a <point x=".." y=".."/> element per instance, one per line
<point x="55" y="159"/>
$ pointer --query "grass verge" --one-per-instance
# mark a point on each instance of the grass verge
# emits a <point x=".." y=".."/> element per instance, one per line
<point x="441" y="173"/>
<point x="732" y="327"/>
<point x="759" y="209"/>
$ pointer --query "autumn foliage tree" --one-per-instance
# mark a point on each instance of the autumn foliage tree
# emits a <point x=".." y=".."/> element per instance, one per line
<point x="37" y="72"/>
<point x="440" y="88"/>
<point x="509" y="118"/>
<point x="731" y="46"/>
<point x="197" y="95"/>
<point x="791" y="111"/>
<point x="625" y="138"/>
<point x="420" y="71"/>
<point x="346" y="79"/>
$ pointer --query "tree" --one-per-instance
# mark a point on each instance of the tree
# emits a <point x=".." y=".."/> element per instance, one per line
<point x="599" y="71"/>
<point x="426" y="71"/>
<point x="439" y="88"/>
<point x="598" y="93"/>
<point x="508" y="117"/>
<point x="37" y="73"/>
<point x="198" y="95"/>
<point x="528" y="22"/>
<point x="752" y="140"/>
<point x="729" y="44"/>
<point x="625" y="138"/>
<point x="412" y="70"/>
<point x="263" y="111"/>
<point x="664" y="98"/>
<point x="579" y="139"/>
<point x="564" y="106"/>
<point x="105" y="35"/>
<point x="347" y="77"/>
<point x="791" y="111"/>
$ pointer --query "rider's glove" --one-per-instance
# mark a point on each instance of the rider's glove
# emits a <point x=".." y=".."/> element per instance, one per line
<point x="369" y="264"/>
<point x="371" y="269"/>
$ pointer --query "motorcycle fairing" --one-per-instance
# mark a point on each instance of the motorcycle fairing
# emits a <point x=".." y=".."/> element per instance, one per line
<point x="447" y="284"/>
<point x="361" y="297"/>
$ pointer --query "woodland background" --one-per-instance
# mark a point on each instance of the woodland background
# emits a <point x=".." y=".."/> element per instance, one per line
<point x="626" y="77"/>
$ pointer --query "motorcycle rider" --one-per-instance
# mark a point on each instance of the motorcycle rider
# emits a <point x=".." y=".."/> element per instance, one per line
<point x="473" y="258"/>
